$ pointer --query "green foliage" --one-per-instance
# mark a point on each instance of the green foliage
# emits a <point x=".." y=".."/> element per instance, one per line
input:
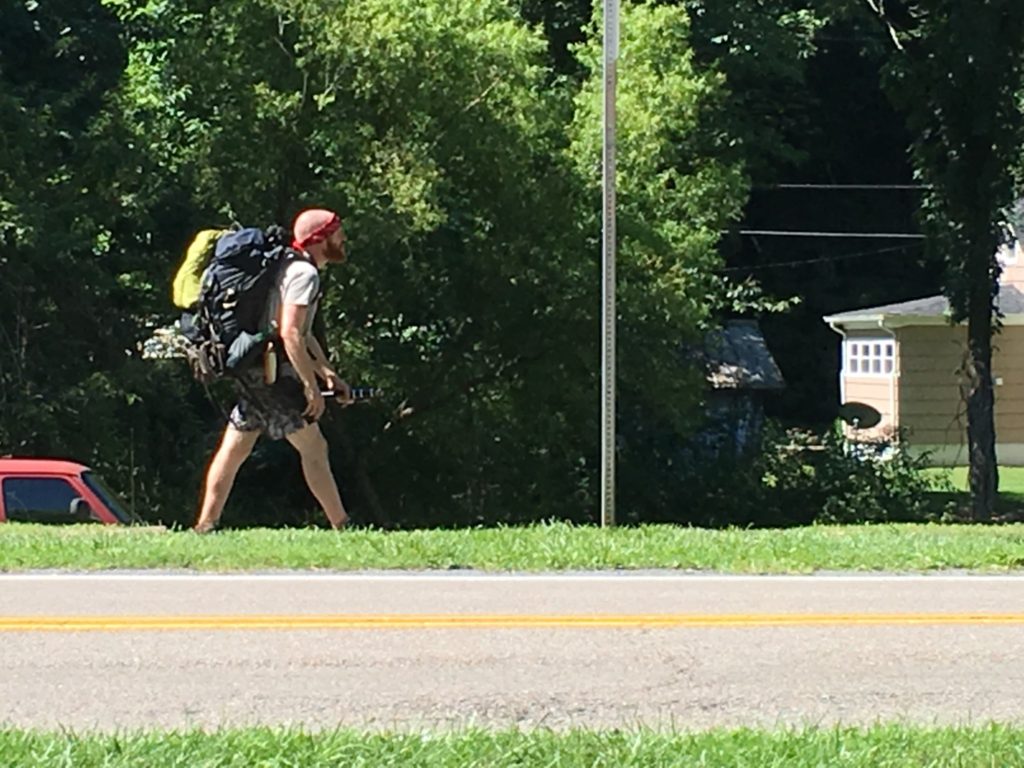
<point x="465" y="171"/>
<point x="678" y="186"/>
<point x="762" y="47"/>
<point x="798" y="477"/>
<point x="852" y="482"/>
<point x="564" y="23"/>
<point x="461" y="143"/>
<point x="957" y="73"/>
<point x="72" y="301"/>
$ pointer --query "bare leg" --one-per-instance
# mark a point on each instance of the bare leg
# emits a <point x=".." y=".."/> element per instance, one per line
<point x="234" y="449"/>
<point x="312" y="447"/>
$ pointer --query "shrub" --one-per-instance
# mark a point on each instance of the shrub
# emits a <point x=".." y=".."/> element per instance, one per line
<point x="798" y="477"/>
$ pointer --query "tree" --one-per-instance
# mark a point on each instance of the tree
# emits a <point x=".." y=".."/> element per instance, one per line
<point x="77" y="275"/>
<point x="679" y="184"/>
<point x="56" y="62"/>
<point x="565" y="25"/>
<point x="469" y="189"/>
<point x="956" y="72"/>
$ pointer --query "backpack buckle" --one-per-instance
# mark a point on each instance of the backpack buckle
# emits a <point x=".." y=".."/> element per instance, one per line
<point x="207" y="361"/>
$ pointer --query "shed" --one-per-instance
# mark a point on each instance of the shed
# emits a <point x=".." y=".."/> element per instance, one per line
<point x="740" y="372"/>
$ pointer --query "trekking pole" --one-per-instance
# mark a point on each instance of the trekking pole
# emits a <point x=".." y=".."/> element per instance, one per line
<point x="359" y="394"/>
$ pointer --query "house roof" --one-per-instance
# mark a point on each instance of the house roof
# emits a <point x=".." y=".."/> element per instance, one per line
<point x="737" y="357"/>
<point x="1009" y="302"/>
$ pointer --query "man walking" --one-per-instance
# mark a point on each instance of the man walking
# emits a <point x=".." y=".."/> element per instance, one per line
<point x="287" y="402"/>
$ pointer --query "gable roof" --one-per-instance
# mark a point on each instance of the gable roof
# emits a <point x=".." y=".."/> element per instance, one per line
<point x="737" y="357"/>
<point x="935" y="310"/>
<point x="931" y="310"/>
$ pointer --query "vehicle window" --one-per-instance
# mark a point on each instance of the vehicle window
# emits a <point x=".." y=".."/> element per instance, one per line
<point x="109" y="497"/>
<point x="40" y="500"/>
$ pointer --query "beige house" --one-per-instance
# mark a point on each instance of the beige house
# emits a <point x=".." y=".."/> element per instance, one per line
<point x="904" y="360"/>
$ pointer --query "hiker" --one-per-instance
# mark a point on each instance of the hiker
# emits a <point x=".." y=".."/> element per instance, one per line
<point x="283" y="399"/>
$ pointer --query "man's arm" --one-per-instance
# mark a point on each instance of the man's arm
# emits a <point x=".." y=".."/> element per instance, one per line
<point x="293" y="318"/>
<point x="323" y="367"/>
<point x="326" y="372"/>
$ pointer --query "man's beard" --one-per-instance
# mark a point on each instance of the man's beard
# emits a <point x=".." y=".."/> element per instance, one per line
<point x="335" y="253"/>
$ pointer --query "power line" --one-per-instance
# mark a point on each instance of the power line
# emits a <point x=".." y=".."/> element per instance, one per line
<point x="794" y="233"/>
<point x="820" y="260"/>
<point x="843" y="186"/>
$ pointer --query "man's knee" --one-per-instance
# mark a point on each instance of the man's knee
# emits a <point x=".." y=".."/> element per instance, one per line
<point x="240" y="439"/>
<point x="235" y="446"/>
<point x="310" y="443"/>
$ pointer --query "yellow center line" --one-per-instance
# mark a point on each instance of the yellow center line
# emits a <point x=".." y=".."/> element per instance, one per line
<point x="510" y="621"/>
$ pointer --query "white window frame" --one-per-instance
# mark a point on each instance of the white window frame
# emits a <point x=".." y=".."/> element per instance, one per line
<point x="1009" y="254"/>
<point x="1013" y="254"/>
<point x="869" y="357"/>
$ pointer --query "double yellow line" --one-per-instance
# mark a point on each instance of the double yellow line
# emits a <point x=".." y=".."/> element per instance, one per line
<point x="511" y="621"/>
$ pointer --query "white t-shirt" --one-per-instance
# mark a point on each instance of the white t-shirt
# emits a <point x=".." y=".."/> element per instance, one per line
<point x="298" y="283"/>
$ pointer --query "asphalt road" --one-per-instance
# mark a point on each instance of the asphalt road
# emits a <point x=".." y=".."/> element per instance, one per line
<point x="403" y="651"/>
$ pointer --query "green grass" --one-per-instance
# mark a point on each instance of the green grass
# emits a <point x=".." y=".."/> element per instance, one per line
<point x="882" y="746"/>
<point x="1011" y="479"/>
<point x="545" y="547"/>
<point x="952" y="489"/>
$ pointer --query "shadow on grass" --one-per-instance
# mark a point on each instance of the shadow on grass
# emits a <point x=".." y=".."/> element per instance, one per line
<point x="955" y="507"/>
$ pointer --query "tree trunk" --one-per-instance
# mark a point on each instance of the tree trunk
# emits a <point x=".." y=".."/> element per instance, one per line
<point x="981" y="434"/>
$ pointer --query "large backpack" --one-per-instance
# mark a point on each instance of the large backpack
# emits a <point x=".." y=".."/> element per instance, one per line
<point x="189" y="277"/>
<point x="225" y="326"/>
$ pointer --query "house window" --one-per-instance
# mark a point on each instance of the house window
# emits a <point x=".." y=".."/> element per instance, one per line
<point x="870" y="357"/>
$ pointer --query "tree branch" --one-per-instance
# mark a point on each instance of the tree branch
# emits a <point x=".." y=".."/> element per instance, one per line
<point x="878" y="7"/>
<point x="479" y="99"/>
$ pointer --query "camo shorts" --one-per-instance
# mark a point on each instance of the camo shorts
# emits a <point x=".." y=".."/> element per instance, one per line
<point x="275" y="409"/>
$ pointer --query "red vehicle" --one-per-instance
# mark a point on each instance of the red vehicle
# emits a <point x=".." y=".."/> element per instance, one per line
<point x="57" y="492"/>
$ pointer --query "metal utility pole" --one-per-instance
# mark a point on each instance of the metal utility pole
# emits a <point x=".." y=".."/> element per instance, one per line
<point x="611" y="55"/>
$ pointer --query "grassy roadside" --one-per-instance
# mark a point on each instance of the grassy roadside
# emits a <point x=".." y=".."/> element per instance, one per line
<point x="1011" y="479"/>
<point x="877" y="747"/>
<point x="951" y="486"/>
<point x="545" y="547"/>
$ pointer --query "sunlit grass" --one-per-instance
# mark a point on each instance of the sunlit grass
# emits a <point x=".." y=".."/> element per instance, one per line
<point x="542" y="547"/>
<point x="1011" y="479"/>
<point x="884" y="746"/>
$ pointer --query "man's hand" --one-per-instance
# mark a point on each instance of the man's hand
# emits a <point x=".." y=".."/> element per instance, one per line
<point x="335" y="384"/>
<point x="314" y="403"/>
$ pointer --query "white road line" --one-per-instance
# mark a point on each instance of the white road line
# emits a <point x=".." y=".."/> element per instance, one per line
<point x="476" y="576"/>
